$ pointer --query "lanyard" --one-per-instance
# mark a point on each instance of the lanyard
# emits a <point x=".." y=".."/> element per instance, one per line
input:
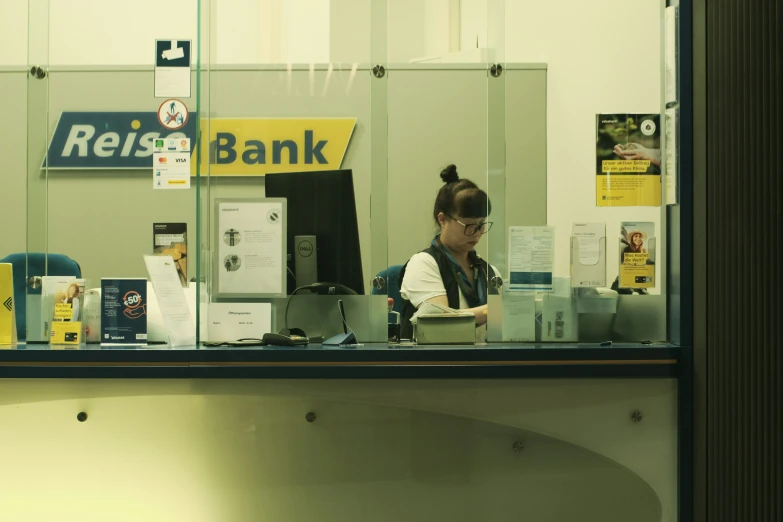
<point x="474" y="293"/>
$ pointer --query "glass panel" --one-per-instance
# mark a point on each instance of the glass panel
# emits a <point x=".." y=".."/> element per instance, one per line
<point x="458" y="450"/>
<point x="93" y="102"/>
<point x="282" y="122"/>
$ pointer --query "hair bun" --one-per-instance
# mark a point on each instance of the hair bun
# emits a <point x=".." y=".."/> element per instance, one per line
<point x="449" y="174"/>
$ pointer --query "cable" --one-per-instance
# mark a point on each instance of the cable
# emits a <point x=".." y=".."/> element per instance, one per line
<point x="314" y="286"/>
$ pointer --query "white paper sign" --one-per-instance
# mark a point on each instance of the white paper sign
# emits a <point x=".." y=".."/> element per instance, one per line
<point x="229" y="322"/>
<point x="519" y="317"/>
<point x="177" y="318"/>
<point x="172" y="68"/>
<point x="251" y="248"/>
<point x="171" y="163"/>
<point x="531" y="258"/>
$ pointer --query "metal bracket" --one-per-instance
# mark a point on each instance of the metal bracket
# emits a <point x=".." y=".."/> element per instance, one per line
<point x="637" y="416"/>
<point x="496" y="70"/>
<point x="379" y="283"/>
<point x="496" y="282"/>
<point x="35" y="282"/>
<point x="379" y="71"/>
<point x="37" y="72"/>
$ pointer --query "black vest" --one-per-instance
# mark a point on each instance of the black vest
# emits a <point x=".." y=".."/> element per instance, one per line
<point x="449" y="283"/>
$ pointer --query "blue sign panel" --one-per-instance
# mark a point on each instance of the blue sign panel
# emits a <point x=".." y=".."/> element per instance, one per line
<point x="110" y="140"/>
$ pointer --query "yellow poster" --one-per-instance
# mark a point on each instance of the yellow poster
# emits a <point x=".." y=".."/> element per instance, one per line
<point x="258" y="146"/>
<point x="628" y="160"/>
<point x="637" y="255"/>
<point x="7" y="314"/>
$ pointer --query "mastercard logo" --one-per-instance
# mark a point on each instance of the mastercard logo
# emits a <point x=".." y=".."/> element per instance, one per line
<point x="161" y="160"/>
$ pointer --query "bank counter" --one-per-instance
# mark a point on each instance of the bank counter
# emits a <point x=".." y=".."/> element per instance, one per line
<point x="384" y="433"/>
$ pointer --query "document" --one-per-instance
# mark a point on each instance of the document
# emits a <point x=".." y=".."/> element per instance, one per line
<point x="171" y="163"/>
<point x="229" y="322"/>
<point x="519" y="317"/>
<point x="531" y="258"/>
<point x="251" y="248"/>
<point x="179" y="323"/>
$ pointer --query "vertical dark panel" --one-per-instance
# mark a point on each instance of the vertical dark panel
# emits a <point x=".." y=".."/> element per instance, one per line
<point x="744" y="286"/>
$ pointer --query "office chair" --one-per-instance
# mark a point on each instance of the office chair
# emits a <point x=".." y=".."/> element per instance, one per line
<point x="36" y="266"/>
<point x="392" y="289"/>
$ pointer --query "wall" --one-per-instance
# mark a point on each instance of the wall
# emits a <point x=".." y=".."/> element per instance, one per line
<point x="603" y="56"/>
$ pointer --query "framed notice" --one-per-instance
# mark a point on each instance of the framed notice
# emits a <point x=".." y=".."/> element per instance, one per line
<point x="250" y="248"/>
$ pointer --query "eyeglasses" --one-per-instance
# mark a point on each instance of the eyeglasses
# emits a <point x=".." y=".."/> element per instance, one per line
<point x="475" y="228"/>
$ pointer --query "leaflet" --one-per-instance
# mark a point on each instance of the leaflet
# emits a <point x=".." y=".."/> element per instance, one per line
<point x="179" y="323"/>
<point x="637" y="255"/>
<point x="531" y="258"/>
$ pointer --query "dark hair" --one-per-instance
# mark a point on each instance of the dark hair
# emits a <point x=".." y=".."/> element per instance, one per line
<point x="460" y="197"/>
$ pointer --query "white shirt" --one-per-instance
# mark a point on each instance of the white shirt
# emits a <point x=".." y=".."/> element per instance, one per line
<point x="422" y="281"/>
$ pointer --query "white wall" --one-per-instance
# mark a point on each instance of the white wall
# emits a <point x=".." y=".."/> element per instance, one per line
<point x="13" y="33"/>
<point x="603" y="56"/>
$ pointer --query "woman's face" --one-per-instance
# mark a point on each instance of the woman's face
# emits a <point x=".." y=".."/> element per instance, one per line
<point x="71" y="291"/>
<point x="452" y="233"/>
<point x="637" y="240"/>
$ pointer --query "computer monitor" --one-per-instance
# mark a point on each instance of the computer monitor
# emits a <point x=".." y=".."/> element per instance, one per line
<point x="322" y="204"/>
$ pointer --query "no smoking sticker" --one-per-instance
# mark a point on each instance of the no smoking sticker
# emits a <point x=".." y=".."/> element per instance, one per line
<point x="173" y="114"/>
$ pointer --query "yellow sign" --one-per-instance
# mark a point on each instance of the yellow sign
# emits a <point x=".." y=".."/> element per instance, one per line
<point x="66" y="333"/>
<point x="7" y="315"/>
<point x="259" y="146"/>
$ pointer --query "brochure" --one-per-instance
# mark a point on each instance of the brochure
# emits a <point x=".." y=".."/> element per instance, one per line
<point x="124" y="311"/>
<point x="171" y="239"/>
<point x="53" y="292"/>
<point x="637" y="255"/>
<point x="66" y="320"/>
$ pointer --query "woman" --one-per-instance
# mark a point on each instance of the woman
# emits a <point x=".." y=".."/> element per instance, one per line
<point x="72" y="298"/>
<point x="450" y="272"/>
<point x="635" y="244"/>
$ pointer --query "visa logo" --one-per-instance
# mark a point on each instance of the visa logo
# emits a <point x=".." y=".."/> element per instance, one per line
<point x="181" y="160"/>
<point x="109" y="140"/>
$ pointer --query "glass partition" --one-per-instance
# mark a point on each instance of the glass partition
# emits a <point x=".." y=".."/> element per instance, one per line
<point x="284" y="94"/>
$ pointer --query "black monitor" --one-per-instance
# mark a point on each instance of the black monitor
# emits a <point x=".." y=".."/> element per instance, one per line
<point x="322" y="204"/>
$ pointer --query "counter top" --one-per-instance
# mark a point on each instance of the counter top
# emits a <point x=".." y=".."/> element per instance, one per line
<point x="367" y="361"/>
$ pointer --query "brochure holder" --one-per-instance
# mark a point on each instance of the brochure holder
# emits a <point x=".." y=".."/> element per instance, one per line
<point x="588" y="275"/>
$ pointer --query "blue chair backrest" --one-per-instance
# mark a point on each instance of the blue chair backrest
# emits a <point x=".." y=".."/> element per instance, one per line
<point x="392" y="289"/>
<point x="36" y="265"/>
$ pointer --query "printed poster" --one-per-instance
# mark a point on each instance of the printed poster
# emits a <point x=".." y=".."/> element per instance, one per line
<point x="628" y="160"/>
<point x="637" y="255"/>
<point x="124" y="311"/>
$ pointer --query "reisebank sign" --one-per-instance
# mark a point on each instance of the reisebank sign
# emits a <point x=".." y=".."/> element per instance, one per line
<point x="237" y="147"/>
